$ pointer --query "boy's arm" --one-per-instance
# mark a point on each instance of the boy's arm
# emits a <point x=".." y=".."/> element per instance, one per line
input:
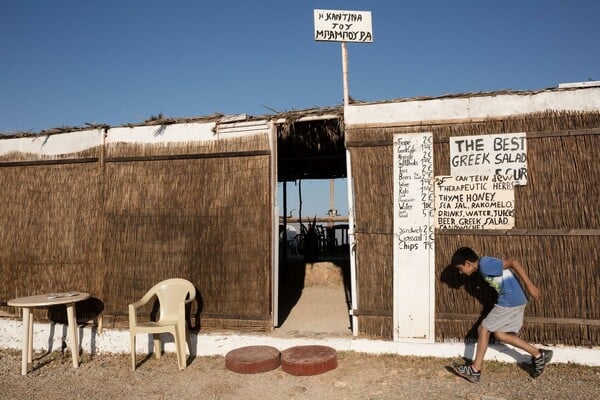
<point x="523" y="277"/>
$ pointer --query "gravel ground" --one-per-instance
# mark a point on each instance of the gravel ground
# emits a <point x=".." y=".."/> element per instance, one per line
<point x="358" y="376"/>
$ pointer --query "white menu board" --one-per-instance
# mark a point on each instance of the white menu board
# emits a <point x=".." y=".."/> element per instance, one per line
<point x="414" y="255"/>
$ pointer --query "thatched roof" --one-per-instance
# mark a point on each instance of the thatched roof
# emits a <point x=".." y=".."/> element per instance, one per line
<point x="311" y="142"/>
<point x="285" y="118"/>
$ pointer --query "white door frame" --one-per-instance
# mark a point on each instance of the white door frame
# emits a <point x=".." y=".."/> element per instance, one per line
<point x="275" y="226"/>
<point x="351" y="243"/>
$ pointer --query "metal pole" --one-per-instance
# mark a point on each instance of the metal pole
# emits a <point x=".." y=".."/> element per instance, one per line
<point x="345" y="73"/>
<point x="332" y="212"/>
<point x="285" y="222"/>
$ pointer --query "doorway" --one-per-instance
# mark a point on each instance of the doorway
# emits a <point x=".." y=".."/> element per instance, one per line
<point x="314" y="284"/>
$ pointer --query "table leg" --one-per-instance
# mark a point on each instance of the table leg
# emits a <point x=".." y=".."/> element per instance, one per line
<point x="30" y="347"/>
<point x="72" y="321"/>
<point x="26" y="335"/>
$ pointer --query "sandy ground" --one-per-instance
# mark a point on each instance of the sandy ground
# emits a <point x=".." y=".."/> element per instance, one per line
<point x="319" y="311"/>
<point x="314" y="301"/>
<point x="358" y="376"/>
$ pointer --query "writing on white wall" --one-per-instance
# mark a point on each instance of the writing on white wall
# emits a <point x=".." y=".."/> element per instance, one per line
<point x="498" y="154"/>
<point x="474" y="202"/>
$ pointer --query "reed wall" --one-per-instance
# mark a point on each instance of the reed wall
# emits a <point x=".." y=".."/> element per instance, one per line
<point x="120" y="218"/>
<point x="556" y="234"/>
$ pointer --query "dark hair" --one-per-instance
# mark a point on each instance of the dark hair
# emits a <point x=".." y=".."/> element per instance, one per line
<point x="463" y="254"/>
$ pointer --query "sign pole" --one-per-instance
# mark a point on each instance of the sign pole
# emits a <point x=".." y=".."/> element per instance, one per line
<point x="343" y="26"/>
<point x="346" y="26"/>
<point x="345" y="73"/>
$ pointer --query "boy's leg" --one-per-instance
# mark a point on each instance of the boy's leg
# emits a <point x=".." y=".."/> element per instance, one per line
<point x="473" y="372"/>
<point x="539" y="357"/>
<point x="516" y="341"/>
<point x="483" y="338"/>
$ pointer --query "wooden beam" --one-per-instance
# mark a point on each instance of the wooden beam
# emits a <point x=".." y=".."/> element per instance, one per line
<point x="520" y="232"/>
<point x="371" y="313"/>
<point x="534" y="320"/>
<point x="297" y="220"/>
<point x="499" y="232"/>
<point x="189" y="156"/>
<point x="28" y="163"/>
<point x="530" y="135"/>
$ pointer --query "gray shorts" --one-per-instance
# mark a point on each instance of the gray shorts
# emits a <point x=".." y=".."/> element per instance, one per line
<point x="504" y="319"/>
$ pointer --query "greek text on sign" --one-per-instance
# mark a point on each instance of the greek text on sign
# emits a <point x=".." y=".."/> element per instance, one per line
<point x="343" y="26"/>
<point x="499" y="154"/>
<point x="474" y="202"/>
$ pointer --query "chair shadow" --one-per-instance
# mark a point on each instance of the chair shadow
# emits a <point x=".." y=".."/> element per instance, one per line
<point x="140" y="361"/>
<point x="194" y="324"/>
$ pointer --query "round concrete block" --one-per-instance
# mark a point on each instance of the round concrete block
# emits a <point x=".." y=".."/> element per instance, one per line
<point x="308" y="360"/>
<point x="253" y="359"/>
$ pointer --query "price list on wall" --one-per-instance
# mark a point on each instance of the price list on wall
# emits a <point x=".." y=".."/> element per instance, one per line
<point x="413" y="235"/>
<point x="413" y="191"/>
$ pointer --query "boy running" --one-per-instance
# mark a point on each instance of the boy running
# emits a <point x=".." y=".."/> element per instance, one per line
<point x="506" y="318"/>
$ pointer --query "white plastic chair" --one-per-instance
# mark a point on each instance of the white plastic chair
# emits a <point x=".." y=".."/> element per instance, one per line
<point x="173" y="295"/>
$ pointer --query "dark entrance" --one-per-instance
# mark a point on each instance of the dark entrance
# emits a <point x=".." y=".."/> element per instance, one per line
<point x="314" y="257"/>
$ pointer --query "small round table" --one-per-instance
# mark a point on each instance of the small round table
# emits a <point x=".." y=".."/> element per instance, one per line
<point x="45" y="300"/>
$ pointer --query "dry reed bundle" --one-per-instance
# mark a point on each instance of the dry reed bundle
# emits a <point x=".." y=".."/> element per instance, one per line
<point x="561" y="196"/>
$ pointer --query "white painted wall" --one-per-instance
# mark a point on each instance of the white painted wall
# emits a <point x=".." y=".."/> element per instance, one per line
<point x="49" y="145"/>
<point x="149" y="134"/>
<point x="49" y="337"/>
<point x="73" y="142"/>
<point x="501" y="105"/>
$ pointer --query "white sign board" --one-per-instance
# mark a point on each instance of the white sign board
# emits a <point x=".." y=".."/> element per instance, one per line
<point x="498" y="154"/>
<point x="414" y="252"/>
<point x="343" y="26"/>
<point x="474" y="202"/>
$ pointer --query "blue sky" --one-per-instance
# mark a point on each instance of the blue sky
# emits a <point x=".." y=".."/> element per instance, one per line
<point x="68" y="62"/>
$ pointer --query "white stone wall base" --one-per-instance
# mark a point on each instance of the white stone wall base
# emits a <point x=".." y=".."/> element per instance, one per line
<point x="50" y="337"/>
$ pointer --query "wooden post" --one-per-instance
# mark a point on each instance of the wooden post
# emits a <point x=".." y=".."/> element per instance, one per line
<point x="285" y="222"/>
<point x="332" y="212"/>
